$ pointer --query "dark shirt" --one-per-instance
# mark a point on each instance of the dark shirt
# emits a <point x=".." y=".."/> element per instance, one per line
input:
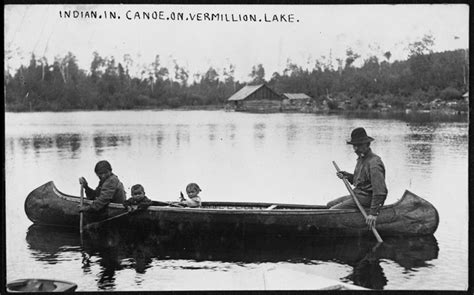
<point x="110" y="190"/>
<point x="369" y="180"/>
<point x="141" y="201"/>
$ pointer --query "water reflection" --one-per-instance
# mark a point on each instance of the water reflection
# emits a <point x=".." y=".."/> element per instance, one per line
<point x="291" y="133"/>
<point x="259" y="133"/>
<point x="68" y="144"/>
<point x="412" y="117"/>
<point x="212" y="132"/>
<point x="42" y="142"/>
<point x="103" y="141"/>
<point x="25" y="144"/>
<point x="114" y="249"/>
<point x="230" y="130"/>
<point x="420" y="144"/>
<point x="159" y="139"/>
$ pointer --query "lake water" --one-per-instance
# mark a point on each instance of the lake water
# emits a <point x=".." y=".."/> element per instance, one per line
<point x="234" y="157"/>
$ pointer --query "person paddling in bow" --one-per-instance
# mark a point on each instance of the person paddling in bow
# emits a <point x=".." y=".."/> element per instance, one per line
<point x="109" y="190"/>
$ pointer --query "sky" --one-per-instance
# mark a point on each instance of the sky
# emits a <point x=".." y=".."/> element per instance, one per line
<point x="300" y="34"/>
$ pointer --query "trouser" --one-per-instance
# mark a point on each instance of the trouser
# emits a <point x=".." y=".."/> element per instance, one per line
<point x="347" y="202"/>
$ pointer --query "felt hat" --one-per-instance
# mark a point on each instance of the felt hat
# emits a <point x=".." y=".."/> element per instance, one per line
<point x="359" y="136"/>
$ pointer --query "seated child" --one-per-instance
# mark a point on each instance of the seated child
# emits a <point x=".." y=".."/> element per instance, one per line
<point x="138" y="199"/>
<point x="192" y="190"/>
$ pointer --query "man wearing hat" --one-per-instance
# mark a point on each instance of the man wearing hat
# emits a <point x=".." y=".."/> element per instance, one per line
<point x="109" y="190"/>
<point x="368" y="178"/>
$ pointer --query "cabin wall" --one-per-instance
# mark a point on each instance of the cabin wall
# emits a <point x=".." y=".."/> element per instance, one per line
<point x="263" y="100"/>
<point x="260" y="106"/>
<point x="299" y="105"/>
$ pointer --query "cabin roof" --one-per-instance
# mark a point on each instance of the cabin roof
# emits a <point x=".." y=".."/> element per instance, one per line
<point x="296" y="96"/>
<point x="245" y="92"/>
<point x="465" y="95"/>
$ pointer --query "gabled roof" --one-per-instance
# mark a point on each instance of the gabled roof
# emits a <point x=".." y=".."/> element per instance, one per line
<point x="296" y="96"/>
<point x="244" y="92"/>
<point x="466" y="94"/>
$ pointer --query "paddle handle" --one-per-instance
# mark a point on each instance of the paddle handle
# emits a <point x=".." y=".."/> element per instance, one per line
<point x="361" y="209"/>
<point x="81" y="214"/>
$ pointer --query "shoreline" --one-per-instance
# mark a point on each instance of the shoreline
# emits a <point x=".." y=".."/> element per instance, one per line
<point x="447" y="111"/>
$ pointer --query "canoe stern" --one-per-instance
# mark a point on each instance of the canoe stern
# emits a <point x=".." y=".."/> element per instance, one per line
<point x="414" y="215"/>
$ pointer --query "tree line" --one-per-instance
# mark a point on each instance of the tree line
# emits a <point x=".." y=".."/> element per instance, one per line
<point x="108" y="84"/>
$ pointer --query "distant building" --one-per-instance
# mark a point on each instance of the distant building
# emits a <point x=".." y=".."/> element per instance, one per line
<point x="296" y="101"/>
<point x="297" y="96"/>
<point x="256" y="98"/>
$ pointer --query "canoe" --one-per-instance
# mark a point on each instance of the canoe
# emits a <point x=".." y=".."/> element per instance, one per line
<point x="40" y="285"/>
<point x="409" y="216"/>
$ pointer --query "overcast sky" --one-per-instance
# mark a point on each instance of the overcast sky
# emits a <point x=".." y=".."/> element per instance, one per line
<point x="316" y="31"/>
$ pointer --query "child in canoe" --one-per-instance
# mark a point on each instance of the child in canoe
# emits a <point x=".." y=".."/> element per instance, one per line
<point x="193" y="200"/>
<point x="138" y="201"/>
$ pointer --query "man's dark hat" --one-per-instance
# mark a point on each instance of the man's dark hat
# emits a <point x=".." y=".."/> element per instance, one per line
<point x="102" y="167"/>
<point x="359" y="136"/>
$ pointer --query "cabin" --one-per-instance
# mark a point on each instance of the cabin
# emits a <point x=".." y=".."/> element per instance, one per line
<point x="466" y="96"/>
<point x="296" y="97"/>
<point x="296" y="101"/>
<point x="256" y="98"/>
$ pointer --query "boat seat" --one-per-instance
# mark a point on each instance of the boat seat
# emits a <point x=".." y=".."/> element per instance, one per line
<point x="271" y="207"/>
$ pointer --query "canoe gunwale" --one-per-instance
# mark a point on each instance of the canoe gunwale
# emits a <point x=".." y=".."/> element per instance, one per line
<point x="310" y="210"/>
<point x="410" y="215"/>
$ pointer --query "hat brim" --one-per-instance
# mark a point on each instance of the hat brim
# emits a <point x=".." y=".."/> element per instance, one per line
<point x="361" y="141"/>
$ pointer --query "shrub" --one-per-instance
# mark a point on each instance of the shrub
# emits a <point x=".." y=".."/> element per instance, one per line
<point x="173" y="102"/>
<point x="450" y="93"/>
<point x="142" y="100"/>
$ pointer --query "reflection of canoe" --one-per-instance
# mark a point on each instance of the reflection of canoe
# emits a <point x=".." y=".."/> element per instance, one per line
<point x="411" y="215"/>
<point x="40" y="285"/>
<point x="53" y="242"/>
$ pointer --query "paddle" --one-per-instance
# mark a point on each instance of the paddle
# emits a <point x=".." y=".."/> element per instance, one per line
<point x="85" y="257"/>
<point x="361" y="209"/>
<point x="81" y="214"/>
<point x="155" y="203"/>
<point x="96" y="224"/>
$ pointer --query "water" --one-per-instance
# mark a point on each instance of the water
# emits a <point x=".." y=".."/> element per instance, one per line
<point x="234" y="157"/>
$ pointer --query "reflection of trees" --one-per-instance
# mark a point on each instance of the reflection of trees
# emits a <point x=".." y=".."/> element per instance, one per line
<point x="159" y="139"/>
<point x="9" y="143"/>
<point x="102" y="141"/>
<point x="212" y="132"/>
<point x="69" y="143"/>
<point x="291" y="134"/>
<point x="138" y="248"/>
<point x="25" y="143"/>
<point x="42" y="142"/>
<point x="65" y="142"/>
<point x="230" y="128"/>
<point x="182" y="134"/>
<point x="259" y="132"/>
<point x="420" y="143"/>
